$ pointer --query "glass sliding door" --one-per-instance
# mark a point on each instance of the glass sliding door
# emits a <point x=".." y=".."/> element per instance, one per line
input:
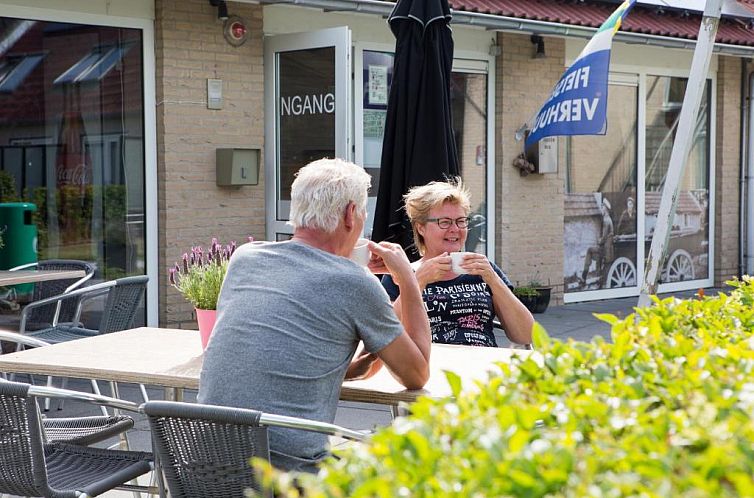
<point x="601" y="238"/>
<point x="72" y="139"/>
<point x="688" y="254"/>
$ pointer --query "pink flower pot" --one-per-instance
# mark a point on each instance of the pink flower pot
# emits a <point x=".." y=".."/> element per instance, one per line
<point x="206" y="320"/>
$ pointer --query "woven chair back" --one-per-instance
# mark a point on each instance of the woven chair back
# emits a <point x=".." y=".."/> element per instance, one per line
<point x="123" y="301"/>
<point x="22" y="466"/>
<point x="45" y="314"/>
<point x="205" y="450"/>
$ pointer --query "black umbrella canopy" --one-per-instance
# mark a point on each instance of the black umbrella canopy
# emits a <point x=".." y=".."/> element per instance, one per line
<point x="418" y="145"/>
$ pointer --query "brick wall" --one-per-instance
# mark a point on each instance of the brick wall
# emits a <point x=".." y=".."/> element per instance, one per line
<point x="727" y="152"/>
<point x="190" y="48"/>
<point x="529" y="232"/>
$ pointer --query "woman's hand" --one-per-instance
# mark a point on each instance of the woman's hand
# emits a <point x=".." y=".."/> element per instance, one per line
<point x="433" y="269"/>
<point x="479" y="264"/>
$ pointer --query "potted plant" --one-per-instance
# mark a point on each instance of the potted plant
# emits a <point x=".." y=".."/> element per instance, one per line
<point x="198" y="277"/>
<point x="534" y="296"/>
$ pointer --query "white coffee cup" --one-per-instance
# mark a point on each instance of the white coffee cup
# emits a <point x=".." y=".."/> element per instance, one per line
<point x="360" y="253"/>
<point x="456" y="260"/>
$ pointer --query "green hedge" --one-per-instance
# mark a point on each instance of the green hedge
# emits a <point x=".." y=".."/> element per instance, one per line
<point x="664" y="410"/>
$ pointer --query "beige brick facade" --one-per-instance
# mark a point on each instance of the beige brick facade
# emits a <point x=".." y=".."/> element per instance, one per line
<point x="727" y="153"/>
<point x="190" y="48"/>
<point x="529" y="210"/>
<point x="529" y="231"/>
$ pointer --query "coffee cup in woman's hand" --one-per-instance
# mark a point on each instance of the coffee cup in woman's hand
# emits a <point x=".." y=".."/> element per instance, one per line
<point x="457" y="259"/>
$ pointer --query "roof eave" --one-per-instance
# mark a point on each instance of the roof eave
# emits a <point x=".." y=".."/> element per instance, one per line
<point x="511" y="24"/>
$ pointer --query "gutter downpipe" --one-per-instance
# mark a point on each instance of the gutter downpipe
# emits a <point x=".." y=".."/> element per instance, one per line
<point x="743" y="242"/>
<point x="749" y="178"/>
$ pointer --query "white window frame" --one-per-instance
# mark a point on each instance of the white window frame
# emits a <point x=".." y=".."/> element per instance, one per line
<point x="642" y="72"/>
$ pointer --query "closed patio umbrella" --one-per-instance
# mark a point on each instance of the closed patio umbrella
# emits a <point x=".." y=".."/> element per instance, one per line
<point x="418" y="145"/>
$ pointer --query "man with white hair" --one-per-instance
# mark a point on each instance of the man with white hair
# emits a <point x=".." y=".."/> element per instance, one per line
<point x="291" y="315"/>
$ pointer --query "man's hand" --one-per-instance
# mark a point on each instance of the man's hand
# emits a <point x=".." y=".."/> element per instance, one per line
<point x="433" y="269"/>
<point x="387" y="257"/>
<point x="363" y="366"/>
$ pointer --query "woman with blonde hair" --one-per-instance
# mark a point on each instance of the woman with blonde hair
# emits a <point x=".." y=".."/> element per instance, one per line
<point x="461" y="307"/>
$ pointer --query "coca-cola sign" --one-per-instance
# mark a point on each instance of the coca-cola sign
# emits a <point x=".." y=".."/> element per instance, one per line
<point x="77" y="175"/>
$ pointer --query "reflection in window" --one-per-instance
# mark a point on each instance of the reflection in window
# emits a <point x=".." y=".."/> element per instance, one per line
<point x="95" y="65"/>
<point x="306" y="114"/>
<point x="469" y="107"/>
<point x="468" y="94"/>
<point x="600" y="242"/>
<point x="72" y="140"/>
<point x="688" y="246"/>
<point x="14" y="70"/>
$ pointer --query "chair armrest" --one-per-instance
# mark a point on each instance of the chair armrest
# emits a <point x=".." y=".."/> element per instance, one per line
<point x="23" y="267"/>
<point x="97" y="399"/>
<point x="91" y="290"/>
<point x="85" y="431"/>
<point x="311" y="425"/>
<point x="6" y="335"/>
<point x="244" y="416"/>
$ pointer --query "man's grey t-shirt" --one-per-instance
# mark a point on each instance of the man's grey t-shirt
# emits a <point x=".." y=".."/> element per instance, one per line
<point x="289" y="320"/>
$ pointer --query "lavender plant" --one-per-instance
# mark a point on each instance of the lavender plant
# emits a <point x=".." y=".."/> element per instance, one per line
<point x="199" y="275"/>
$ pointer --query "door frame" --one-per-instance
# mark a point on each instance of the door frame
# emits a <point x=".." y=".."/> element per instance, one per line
<point x="340" y="39"/>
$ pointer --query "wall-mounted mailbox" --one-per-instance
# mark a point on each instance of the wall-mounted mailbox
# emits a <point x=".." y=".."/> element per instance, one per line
<point x="235" y="167"/>
<point x="544" y="155"/>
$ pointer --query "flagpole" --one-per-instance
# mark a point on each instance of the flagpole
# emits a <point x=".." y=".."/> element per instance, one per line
<point x="681" y="147"/>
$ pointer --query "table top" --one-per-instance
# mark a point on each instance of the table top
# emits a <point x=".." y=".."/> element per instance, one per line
<point x="30" y="276"/>
<point x="173" y="358"/>
<point x="470" y="363"/>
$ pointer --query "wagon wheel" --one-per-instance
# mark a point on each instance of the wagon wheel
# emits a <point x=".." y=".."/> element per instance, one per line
<point x="622" y="273"/>
<point x="680" y="267"/>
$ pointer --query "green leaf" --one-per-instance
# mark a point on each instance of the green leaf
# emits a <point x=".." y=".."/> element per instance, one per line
<point x="539" y="336"/>
<point x="607" y="317"/>
<point x="454" y="380"/>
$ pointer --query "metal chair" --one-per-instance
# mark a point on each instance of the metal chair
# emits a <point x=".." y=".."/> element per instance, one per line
<point x="75" y="430"/>
<point x="123" y="298"/>
<point x="204" y="450"/>
<point x="36" y="317"/>
<point x="30" y="466"/>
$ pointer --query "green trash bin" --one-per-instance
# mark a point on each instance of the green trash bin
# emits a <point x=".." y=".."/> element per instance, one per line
<point x="19" y="238"/>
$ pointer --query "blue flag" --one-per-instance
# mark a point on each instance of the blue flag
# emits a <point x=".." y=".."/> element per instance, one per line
<point x="578" y="103"/>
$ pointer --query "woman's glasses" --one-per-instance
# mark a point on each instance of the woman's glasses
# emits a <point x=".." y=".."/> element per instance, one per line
<point x="446" y="223"/>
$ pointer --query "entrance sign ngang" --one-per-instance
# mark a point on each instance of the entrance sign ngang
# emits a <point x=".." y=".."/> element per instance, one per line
<point x="578" y="103"/>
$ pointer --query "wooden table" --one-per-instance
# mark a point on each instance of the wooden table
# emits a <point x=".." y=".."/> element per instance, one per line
<point x="31" y="276"/>
<point x="172" y="358"/>
<point x="468" y="362"/>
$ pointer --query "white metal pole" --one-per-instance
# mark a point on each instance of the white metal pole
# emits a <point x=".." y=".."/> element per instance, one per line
<point x="681" y="147"/>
